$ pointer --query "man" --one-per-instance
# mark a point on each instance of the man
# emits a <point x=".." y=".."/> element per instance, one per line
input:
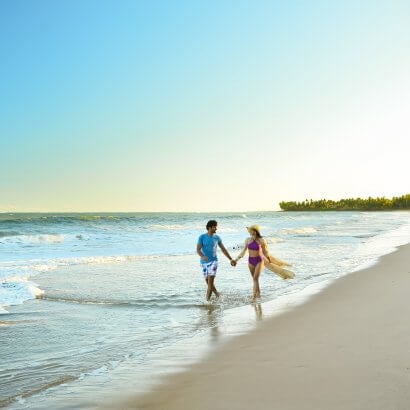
<point x="206" y="249"/>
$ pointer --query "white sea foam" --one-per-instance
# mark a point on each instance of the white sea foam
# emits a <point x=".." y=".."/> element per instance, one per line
<point x="97" y="372"/>
<point x="17" y="290"/>
<point x="194" y="228"/>
<point x="47" y="265"/>
<point x="372" y="249"/>
<point x="33" y="239"/>
<point x="300" y="230"/>
<point x="173" y="227"/>
<point x="272" y="240"/>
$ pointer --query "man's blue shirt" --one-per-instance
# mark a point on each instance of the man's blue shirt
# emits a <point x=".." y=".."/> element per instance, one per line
<point x="209" y="245"/>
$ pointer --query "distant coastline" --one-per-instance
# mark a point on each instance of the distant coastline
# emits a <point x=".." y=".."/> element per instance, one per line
<point x="350" y="204"/>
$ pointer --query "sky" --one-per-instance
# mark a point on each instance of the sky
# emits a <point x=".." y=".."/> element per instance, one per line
<point x="201" y="105"/>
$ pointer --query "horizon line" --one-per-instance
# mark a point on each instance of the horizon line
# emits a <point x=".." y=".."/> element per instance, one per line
<point x="135" y="212"/>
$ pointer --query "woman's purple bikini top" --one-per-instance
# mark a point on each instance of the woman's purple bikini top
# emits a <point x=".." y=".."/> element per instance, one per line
<point x="254" y="246"/>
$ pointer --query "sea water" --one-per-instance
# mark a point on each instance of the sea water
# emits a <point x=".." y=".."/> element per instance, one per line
<point x="92" y="301"/>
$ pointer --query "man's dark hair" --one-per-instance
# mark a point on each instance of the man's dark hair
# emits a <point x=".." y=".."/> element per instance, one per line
<point x="211" y="223"/>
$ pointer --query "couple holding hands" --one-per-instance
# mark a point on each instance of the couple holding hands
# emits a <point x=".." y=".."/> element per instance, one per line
<point x="259" y="257"/>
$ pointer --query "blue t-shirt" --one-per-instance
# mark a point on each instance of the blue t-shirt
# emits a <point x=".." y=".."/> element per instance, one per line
<point x="209" y="245"/>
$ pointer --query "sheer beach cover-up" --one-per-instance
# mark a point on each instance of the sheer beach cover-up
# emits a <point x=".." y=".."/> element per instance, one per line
<point x="275" y="265"/>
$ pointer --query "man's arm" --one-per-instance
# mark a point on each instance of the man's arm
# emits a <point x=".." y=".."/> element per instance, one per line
<point x="225" y="252"/>
<point x="199" y="252"/>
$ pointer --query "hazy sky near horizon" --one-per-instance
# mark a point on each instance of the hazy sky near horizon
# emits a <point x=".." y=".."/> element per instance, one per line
<point x="201" y="105"/>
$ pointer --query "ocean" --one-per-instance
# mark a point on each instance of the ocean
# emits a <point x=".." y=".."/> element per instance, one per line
<point x="95" y="304"/>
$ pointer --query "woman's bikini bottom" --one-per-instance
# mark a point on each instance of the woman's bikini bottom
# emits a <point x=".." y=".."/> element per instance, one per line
<point x="254" y="260"/>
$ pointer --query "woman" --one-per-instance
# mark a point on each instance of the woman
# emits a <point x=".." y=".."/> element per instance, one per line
<point x="258" y="255"/>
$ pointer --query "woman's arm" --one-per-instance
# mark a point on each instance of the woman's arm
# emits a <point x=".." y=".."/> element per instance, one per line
<point x="243" y="251"/>
<point x="265" y="249"/>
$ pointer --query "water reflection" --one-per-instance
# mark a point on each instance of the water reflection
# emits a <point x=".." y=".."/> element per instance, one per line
<point x="258" y="310"/>
<point x="212" y="318"/>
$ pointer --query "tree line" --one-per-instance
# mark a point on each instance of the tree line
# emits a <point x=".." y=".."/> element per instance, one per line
<point x="349" y="204"/>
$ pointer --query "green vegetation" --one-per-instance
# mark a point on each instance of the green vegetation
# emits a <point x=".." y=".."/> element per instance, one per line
<point x="349" y="204"/>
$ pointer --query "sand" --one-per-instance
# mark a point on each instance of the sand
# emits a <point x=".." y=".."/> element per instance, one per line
<point x="346" y="348"/>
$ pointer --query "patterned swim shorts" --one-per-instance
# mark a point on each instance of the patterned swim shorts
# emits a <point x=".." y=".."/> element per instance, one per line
<point x="209" y="268"/>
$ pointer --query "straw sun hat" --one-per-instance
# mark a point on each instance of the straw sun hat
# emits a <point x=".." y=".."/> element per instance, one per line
<point x="255" y="227"/>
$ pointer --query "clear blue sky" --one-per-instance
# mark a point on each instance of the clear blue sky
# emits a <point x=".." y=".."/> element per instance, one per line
<point x="216" y="105"/>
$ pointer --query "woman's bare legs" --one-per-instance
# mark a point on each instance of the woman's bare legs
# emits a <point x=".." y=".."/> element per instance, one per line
<point x="256" y="272"/>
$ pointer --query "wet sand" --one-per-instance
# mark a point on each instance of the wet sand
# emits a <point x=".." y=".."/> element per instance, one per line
<point x="346" y="348"/>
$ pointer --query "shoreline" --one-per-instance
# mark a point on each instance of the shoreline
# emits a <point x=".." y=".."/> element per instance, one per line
<point x="347" y="347"/>
<point x="177" y="335"/>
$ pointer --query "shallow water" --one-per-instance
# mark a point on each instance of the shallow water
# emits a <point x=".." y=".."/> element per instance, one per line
<point x="93" y="300"/>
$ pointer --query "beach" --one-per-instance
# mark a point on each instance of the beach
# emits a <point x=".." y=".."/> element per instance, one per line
<point x="104" y="308"/>
<point x="346" y="348"/>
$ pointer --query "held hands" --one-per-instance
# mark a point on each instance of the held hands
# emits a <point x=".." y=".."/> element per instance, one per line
<point x="233" y="262"/>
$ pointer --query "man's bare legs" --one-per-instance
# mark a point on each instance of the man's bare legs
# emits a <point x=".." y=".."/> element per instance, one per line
<point x="211" y="287"/>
